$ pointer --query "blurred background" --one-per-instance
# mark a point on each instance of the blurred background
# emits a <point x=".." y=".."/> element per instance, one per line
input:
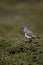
<point x="14" y="14"/>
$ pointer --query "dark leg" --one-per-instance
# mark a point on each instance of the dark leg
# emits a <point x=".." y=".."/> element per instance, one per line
<point x="30" y="40"/>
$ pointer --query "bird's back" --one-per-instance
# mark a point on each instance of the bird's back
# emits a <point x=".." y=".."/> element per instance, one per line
<point x="27" y="30"/>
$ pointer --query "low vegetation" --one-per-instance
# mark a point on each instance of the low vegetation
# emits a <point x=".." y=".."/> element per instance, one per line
<point x="20" y="53"/>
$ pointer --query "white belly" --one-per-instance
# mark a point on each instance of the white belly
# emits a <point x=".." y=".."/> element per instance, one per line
<point x="27" y="36"/>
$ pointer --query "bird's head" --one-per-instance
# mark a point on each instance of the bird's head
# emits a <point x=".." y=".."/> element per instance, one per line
<point x="25" y="28"/>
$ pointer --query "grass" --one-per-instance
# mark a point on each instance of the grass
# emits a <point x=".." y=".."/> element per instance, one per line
<point x="14" y="47"/>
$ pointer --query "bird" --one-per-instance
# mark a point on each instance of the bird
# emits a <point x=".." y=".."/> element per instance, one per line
<point x="29" y="34"/>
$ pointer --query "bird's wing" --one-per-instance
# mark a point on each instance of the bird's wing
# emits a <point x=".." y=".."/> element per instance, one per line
<point x="27" y="36"/>
<point x="34" y="36"/>
<point x="29" y="31"/>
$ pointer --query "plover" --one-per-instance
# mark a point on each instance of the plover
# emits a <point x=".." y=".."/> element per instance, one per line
<point x="29" y="34"/>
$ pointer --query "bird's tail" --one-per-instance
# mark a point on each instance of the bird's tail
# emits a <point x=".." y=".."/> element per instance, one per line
<point x="34" y="36"/>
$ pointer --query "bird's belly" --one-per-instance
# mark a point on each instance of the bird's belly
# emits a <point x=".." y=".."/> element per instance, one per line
<point x="27" y="36"/>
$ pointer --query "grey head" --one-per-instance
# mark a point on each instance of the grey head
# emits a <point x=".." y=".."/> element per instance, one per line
<point x="27" y="30"/>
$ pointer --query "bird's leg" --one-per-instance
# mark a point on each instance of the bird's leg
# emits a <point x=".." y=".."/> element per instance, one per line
<point x="30" y="40"/>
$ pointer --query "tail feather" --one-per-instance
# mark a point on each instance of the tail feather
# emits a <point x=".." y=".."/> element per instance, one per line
<point x="33" y="36"/>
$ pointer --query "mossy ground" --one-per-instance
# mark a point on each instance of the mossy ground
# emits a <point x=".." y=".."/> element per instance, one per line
<point x="20" y="53"/>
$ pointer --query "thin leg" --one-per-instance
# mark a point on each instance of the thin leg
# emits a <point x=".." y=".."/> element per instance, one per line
<point x="30" y="40"/>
